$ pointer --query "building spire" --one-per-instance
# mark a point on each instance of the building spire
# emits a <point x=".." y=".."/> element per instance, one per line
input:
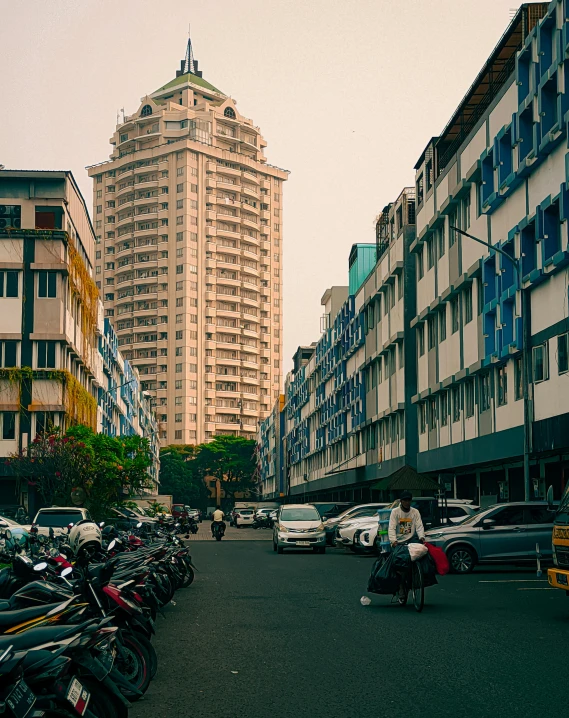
<point x="189" y="64"/>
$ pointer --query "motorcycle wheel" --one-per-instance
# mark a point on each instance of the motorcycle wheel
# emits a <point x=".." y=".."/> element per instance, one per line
<point x="147" y="644"/>
<point x="188" y="577"/>
<point x="135" y="667"/>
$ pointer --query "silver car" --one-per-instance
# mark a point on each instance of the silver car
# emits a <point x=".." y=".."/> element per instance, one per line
<point x="504" y="533"/>
<point x="299" y="526"/>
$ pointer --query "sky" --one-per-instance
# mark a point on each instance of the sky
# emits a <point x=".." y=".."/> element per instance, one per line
<point x="347" y="94"/>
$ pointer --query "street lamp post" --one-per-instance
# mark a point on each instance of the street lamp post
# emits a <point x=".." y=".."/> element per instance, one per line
<point x="517" y="263"/>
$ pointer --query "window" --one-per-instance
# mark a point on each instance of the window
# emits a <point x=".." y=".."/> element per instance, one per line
<point x="444" y="408"/>
<point x="179" y="204"/>
<point x="468" y="304"/>
<point x="229" y="112"/>
<point x="421" y="339"/>
<point x="46" y="355"/>
<point x="422" y="418"/>
<point x="509" y="516"/>
<point x="455" y="314"/>
<point x="400" y="287"/>
<point x="469" y="398"/>
<point x="420" y="190"/>
<point x="540" y="363"/>
<point x="8" y="424"/>
<point x="432" y="331"/>
<point x="563" y="353"/>
<point x="465" y="219"/>
<point x="8" y="284"/>
<point x="146" y="111"/>
<point x="47" y="284"/>
<point x="452" y="222"/>
<point x="502" y="381"/>
<point x="180" y="171"/>
<point x="420" y="265"/>
<point x="432" y="414"/>
<point x="430" y="253"/>
<point x="456" y="403"/>
<point x="443" y="323"/>
<point x="485" y="388"/>
<point x="441" y="240"/>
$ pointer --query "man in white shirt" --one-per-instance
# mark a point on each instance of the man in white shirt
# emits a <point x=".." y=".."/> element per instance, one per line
<point x="217" y="518"/>
<point x="405" y="525"/>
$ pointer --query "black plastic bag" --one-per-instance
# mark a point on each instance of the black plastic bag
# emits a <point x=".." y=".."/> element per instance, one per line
<point x="401" y="557"/>
<point x="429" y="570"/>
<point x="383" y="578"/>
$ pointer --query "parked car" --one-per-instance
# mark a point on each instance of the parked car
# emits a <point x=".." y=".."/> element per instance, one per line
<point x="299" y="526"/>
<point x="331" y="509"/>
<point x="244" y="517"/>
<point x="265" y="511"/>
<point x="194" y="514"/>
<point x="351" y="513"/>
<point x="126" y="519"/>
<point x="456" y="511"/>
<point x="346" y="530"/>
<point x="58" y="518"/>
<point x="503" y="533"/>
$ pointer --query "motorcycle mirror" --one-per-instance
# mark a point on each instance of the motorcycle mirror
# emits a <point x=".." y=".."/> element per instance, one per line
<point x="8" y="534"/>
<point x="111" y="546"/>
<point x="139" y="524"/>
<point x="178" y="524"/>
<point x="40" y="566"/>
<point x="101" y="524"/>
<point x="66" y="571"/>
<point x="550" y="498"/>
<point x="69" y="527"/>
<point x="63" y="556"/>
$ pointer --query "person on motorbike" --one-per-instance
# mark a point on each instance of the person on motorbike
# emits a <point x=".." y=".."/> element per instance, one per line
<point x="405" y="526"/>
<point x="217" y="518"/>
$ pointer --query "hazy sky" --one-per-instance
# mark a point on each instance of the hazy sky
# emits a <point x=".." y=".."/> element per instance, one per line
<point x="346" y="92"/>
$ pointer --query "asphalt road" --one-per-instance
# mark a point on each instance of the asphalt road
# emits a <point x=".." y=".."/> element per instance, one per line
<point x="260" y="634"/>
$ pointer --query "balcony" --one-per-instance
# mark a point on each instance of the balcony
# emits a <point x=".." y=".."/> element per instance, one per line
<point x="227" y="233"/>
<point x="249" y="191"/>
<point x="148" y="183"/>
<point x="249" y="176"/>
<point x="125" y="190"/>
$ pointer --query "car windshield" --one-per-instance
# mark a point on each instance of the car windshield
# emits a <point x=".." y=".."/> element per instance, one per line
<point x="58" y="519"/>
<point x="246" y="512"/>
<point x="302" y="514"/>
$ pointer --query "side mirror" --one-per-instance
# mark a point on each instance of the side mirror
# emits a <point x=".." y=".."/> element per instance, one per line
<point x="66" y="571"/>
<point x="40" y="566"/>
<point x="111" y="546"/>
<point x="550" y="499"/>
<point x="488" y="524"/>
<point x="101" y="524"/>
<point x="139" y="524"/>
<point x="8" y="534"/>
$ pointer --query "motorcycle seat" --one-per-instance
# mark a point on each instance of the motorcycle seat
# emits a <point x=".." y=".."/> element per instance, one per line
<point x="9" y="619"/>
<point x="38" y="637"/>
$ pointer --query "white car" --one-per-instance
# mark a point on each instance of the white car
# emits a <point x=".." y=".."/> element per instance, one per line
<point x="58" y="518"/>
<point x="299" y="526"/>
<point x="346" y="530"/>
<point x="244" y="517"/>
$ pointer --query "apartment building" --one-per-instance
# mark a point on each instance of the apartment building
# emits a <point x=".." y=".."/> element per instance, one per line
<point x="271" y="452"/>
<point x="499" y="171"/>
<point x="349" y="420"/>
<point x="189" y="228"/>
<point x="59" y="363"/>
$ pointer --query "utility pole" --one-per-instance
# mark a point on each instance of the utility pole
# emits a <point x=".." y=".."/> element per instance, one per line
<point x="526" y="379"/>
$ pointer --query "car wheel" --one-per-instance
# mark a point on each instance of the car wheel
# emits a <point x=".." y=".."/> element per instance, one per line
<point x="462" y="559"/>
<point x="280" y="549"/>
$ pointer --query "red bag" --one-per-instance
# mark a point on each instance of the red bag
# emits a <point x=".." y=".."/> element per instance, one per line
<point x="439" y="557"/>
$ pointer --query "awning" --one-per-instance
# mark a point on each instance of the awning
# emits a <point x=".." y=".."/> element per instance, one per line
<point x="406" y="479"/>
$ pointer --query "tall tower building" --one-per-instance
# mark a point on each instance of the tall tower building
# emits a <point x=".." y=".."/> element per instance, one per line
<point x="189" y="223"/>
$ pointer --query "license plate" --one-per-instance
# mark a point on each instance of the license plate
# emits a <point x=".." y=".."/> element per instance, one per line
<point x="78" y="696"/>
<point x="303" y="543"/>
<point x="561" y="578"/>
<point x="21" y="700"/>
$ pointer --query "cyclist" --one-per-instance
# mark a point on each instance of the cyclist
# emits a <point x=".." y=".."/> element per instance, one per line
<point x="405" y="526"/>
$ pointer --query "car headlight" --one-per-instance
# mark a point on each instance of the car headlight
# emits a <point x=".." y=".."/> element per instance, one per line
<point x="283" y="528"/>
<point x="320" y="527"/>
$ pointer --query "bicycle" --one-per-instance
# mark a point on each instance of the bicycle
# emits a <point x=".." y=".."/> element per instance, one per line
<point x="417" y="587"/>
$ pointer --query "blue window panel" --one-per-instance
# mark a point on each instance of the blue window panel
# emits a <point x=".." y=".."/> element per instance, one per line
<point x="529" y="249"/>
<point x="489" y="333"/>
<point x="507" y="317"/>
<point x="490" y="280"/>
<point x="548" y="108"/>
<point x="545" y="40"/>
<point x="525" y="133"/>
<point x="505" y="165"/>
<point x="487" y="166"/>
<point x="523" y="70"/>
<point x="519" y="333"/>
<point x="551" y="231"/>
<point x="508" y="273"/>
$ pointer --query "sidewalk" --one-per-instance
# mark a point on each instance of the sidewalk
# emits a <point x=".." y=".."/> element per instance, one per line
<point x="232" y="534"/>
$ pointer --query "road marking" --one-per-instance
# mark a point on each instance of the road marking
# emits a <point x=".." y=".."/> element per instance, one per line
<point x="516" y="580"/>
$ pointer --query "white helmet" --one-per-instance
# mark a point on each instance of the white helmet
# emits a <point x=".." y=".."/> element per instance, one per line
<point x="85" y="535"/>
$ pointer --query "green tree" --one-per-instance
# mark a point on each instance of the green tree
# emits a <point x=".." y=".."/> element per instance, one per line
<point x="102" y="468"/>
<point x="178" y="475"/>
<point x="231" y="459"/>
